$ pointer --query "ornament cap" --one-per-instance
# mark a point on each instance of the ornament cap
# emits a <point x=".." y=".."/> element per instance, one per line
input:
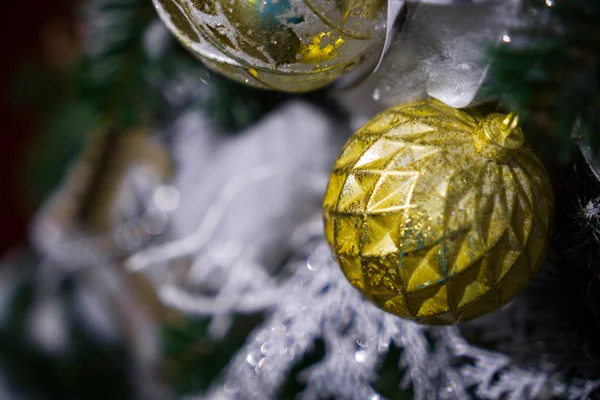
<point x="498" y="135"/>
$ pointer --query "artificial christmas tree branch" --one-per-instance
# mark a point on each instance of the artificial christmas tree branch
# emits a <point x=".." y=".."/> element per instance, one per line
<point x="549" y="71"/>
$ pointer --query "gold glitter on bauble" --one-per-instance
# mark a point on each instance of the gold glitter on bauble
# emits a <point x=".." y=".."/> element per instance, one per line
<point x="436" y="214"/>
<point x="285" y="45"/>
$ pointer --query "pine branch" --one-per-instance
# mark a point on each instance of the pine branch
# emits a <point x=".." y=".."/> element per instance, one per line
<point x="113" y="72"/>
<point x="550" y="71"/>
<point x="31" y="372"/>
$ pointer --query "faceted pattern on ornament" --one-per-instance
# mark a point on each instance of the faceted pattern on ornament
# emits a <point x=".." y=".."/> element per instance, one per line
<point x="428" y="228"/>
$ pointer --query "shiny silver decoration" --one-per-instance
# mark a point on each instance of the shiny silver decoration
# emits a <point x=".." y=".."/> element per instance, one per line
<point x="441" y="52"/>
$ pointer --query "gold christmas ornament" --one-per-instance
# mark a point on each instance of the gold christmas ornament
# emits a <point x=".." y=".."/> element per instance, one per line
<point x="285" y="45"/>
<point x="436" y="214"/>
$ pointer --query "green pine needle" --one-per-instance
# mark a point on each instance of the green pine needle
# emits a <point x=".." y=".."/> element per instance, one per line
<point x="550" y="71"/>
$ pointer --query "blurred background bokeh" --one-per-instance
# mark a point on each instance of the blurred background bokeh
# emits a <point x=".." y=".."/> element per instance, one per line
<point x="90" y="254"/>
<point x="30" y="46"/>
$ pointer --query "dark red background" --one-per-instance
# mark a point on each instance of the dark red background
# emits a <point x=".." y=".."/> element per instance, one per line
<point x="21" y="30"/>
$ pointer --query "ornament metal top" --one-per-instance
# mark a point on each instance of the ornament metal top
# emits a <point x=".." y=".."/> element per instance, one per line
<point x="285" y="45"/>
<point x="436" y="214"/>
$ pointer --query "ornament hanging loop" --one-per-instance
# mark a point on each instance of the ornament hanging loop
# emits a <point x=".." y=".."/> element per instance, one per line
<point x="498" y="135"/>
